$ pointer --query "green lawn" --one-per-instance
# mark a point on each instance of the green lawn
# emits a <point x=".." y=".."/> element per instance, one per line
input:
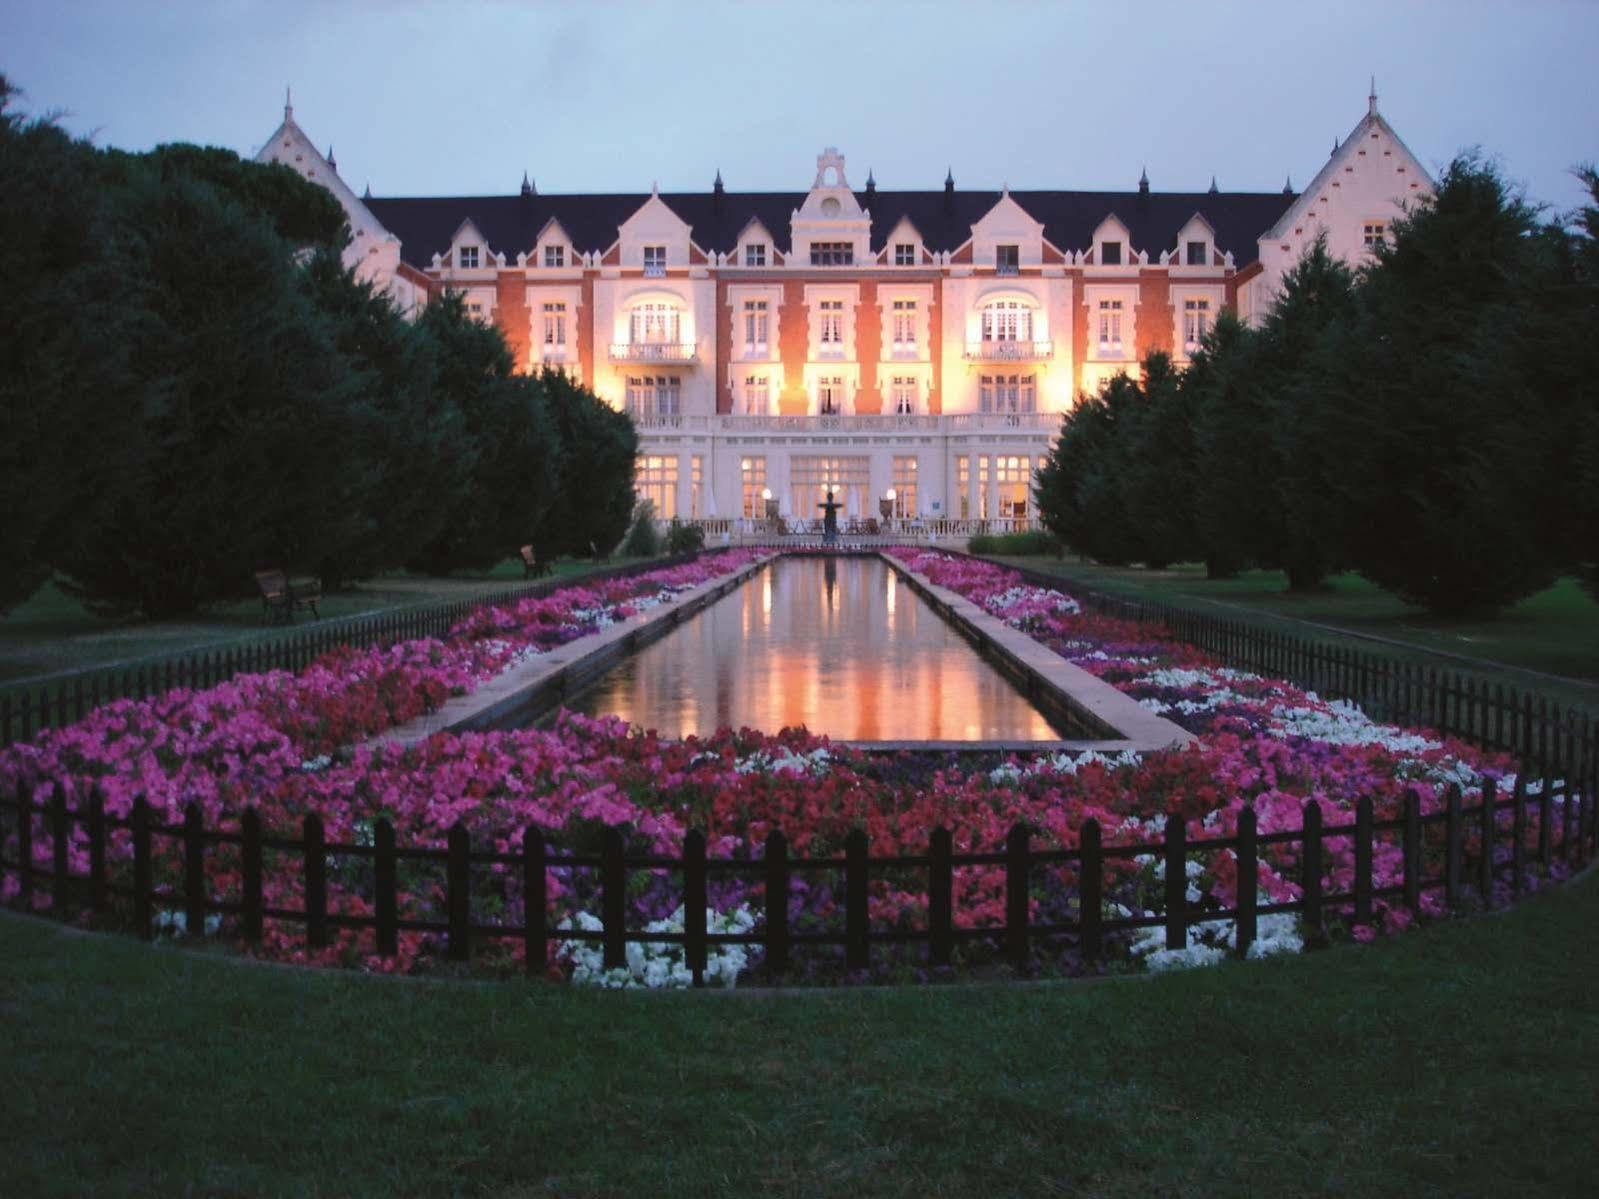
<point x="1553" y="633"/>
<point x="52" y="632"/>
<point x="1459" y="1060"/>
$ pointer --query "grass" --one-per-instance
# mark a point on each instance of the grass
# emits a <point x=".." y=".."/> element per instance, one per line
<point x="1554" y="633"/>
<point x="1459" y="1060"/>
<point x="52" y="632"/>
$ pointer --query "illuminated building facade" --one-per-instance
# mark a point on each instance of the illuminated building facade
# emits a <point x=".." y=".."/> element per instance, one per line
<point x="864" y="340"/>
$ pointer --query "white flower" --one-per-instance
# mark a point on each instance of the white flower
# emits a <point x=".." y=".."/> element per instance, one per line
<point x="785" y="761"/>
<point x="657" y="965"/>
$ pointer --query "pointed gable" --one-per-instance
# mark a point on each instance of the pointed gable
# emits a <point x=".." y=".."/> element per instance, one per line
<point x="655" y="223"/>
<point x="1007" y="223"/>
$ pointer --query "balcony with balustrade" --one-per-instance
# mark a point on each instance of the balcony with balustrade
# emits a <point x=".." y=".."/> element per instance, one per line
<point x="1009" y="351"/>
<point x="654" y="351"/>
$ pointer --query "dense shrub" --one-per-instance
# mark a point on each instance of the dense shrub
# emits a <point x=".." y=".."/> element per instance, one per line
<point x="1033" y="542"/>
<point x="642" y="540"/>
<point x="684" y="539"/>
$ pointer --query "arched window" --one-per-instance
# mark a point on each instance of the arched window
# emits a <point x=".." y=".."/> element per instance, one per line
<point x="655" y="323"/>
<point x="1007" y="320"/>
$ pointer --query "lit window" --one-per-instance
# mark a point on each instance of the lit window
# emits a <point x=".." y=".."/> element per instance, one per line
<point x="654" y="395"/>
<point x="1007" y="393"/>
<point x="1007" y="259"/>
<point x="554" y="255"/>
<point x="1110" y="253"/>
<point x="1007" y="320"/>
<point x="905" y="470"/>
<point x="903" y="394"/>
<point x="1196" y="323"/>
<point x="830" y="395"/>
<point x="1374" y="234"/>
<point x="757" y="395"/>
<point x="905" y="328"/>
<point x="554" y="329"/>
<point x="753" y="472"/>
<point x="755" y="255"/>
<point x="653" y="324"/>
<point x="466" y="258"/>
<point x="655" y="260"/>
<point x="755" y="327"/>
<point x="904" y="254"/>
<point x="1197" y="255"/>
<point x="655" y="479"/>
<point x="1110" y="326"/>
<point x="832" y="253"/>
<point x="696" y="484"/>
<point x="832" y="335"/>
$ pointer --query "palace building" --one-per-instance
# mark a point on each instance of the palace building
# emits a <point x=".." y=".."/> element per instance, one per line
<point x="917" y="347"/>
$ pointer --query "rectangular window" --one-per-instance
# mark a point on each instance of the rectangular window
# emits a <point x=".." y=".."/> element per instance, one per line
<point x="475" y="308"/>
<point x="1196" y="323"/>
<point x="830" y="395"/>
<point x="904" y="253"/>
<point x="982" y="487"/>
<point x="554" y="255"/>
<point x="752" y="472"/>
<point x="832" y="330"/>
<point x="963" y="485"/>
<point x="655" y="260"/>
<point x="654" y="395"/>
<point x="905" y="488"/>
<point x="1110" y="253"/>
<point x="655" y="479"/>
<point x="466" y="258"/>
<point x="1373" y="234"/>
<point x="755" y="255"/>
<point x="554" y="327"/>
<point x="696" y="484"/>
<point x="1007" y="259"/>
<point x="904" y="328"/>
<point x="653" y="324"/>
<point x="810" y="480"/>
<point x="1007" y="393"/>
<point x="757" y="395"/>
<point x="1007" y="320"/>
<point x="1014" y="478"/>
<point x="1197" y="255"/>
<point x="755" y="328"/>
<point x="902" y="393"/>
<point x="832" y="253"/>
<point x="1110" y="326"/>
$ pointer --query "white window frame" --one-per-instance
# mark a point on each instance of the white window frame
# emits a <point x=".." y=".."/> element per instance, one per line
<point x="904" y="253"/>
<point x="755" y="254"/>
<point x="654" y="258"/>
<point x="462" y="256"/>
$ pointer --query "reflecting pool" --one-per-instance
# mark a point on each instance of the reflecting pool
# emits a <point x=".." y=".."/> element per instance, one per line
<point x="841" y="645"/>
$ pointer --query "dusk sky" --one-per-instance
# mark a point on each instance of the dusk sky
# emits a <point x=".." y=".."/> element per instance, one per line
<point x="460" y="98"/>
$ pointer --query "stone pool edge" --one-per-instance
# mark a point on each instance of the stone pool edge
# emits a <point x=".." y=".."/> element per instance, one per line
<point x="1041" y="672"/>
<point x="528" y="690"/>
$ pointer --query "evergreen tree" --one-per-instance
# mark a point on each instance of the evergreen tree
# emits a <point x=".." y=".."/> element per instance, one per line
<point x="1234" y="460"/>
<point x="593" y="495"/>
<point x="1157" y="466"/>
<point x="1079" y="488"/>
<point x="1576" y="362"/>
<point x="1447" y="444"/>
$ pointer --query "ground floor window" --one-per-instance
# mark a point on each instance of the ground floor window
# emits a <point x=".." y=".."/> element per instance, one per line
<point x="812" y="479"/>
<point x="963" y="485"/>
<point x="1014" y="479"/>
<point x="696" y="486"/>
<point x="757" y="395"/>
<point x="903" y="394"/>
<point x="905" y="470"/>
<point x="654" y="395"/>
<point x="656" y="481"/>
<point x="753" y="472"/>
<point x="1008" y="393"/>
<point x="982" y="487"/>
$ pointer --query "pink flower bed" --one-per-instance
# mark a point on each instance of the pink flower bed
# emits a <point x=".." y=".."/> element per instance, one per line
<point x="292" y="745"/>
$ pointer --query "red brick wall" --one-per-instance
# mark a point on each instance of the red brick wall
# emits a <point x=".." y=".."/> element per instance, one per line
<point x="793" y="325"/>
<point x="724" y="324"/>
<point x="1081" y="323"/>
<point x="512" y="315"/>
<point x="935" y="347"/>
<point x="1155" y="314"/>
<point x="868" y="349"/>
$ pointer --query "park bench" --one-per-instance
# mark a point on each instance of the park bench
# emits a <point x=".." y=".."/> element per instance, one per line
<point x="280" y="597"/>
<point x="532" y="567"/>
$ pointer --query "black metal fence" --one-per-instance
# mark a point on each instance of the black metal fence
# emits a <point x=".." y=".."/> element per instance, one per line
<point x="1470" y="849"/>
<point x="62" y="699"/>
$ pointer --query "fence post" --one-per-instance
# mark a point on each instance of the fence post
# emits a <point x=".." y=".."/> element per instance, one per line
<point x="1016" y="868"/>
<point x="1363" y="860"/>
<point x="1485" y="864"/>
<point x="776" y="903"/>
<point x="142" y="882"/>
<point x="385" y="900"/>
<point x="1568" y="819"/>
<point x="193" y="870"/>
<point x="1518" y="832"/>
<point x="98" y="893"/>
<point x="458" y="892"/>
<point x="1091" y="891"/>
<point x="1176" y="881"/>
<point x="1546" y="831"/>
<point x="856" y="952"/>
<point x="694" y="901"/>
<point x="1412" y="851"/>
<point x="58" y="856"/>
<point x="613" y="898"/>
<point x="535" y="899"/>
<point x="1453" y="836"/>
<point x="1310" y="862"/>
<point x="250" y="852"/>
<point x="316" y="883"/>
<point x="1247" y="919"/>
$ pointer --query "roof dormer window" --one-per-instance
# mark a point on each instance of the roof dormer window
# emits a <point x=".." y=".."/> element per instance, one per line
<point x="655" y="260"/>
<point x="466" y="258"/>
<point x="832" y="253"/>
<point x="904" y="254"/>
<point x="1110" y="253"/>
<point x="1007" y="259"/>
<point x="555" y="256"/>
<point x="755" y="254"/>
<point x="1196" y="253"/>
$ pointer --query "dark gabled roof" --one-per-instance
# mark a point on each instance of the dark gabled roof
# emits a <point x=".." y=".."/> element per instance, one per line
<point x="511" y="224"/>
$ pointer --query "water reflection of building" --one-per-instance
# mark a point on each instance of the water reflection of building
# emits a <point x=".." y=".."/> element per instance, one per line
<point x="860" y="338"/>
